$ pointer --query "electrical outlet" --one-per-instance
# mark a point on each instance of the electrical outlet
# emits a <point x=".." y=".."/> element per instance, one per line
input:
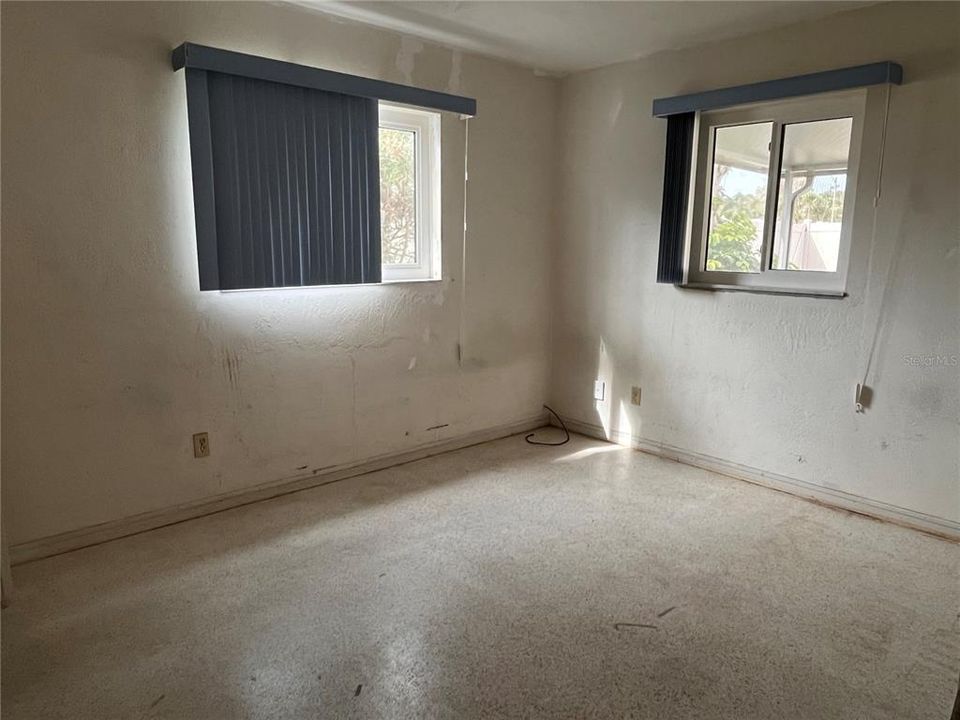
<point x="598" y="389"/>
<point x="635" y="395"/>
<point x="201" y="445"/>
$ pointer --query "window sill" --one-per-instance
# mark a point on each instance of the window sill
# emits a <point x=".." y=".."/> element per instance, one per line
<point x="835" y="294"/>
<point x="334" y="286"/>
<point x="409" y="281"/>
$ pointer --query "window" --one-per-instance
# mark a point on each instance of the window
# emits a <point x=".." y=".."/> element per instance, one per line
<point x="409" y="193"/>
<point x="288" y="173"/>
<point x="773" y="192"/>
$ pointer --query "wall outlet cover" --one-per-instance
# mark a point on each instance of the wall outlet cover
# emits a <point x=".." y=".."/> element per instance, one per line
<point x="201" y="445"/>
<point x="598" y="389"/>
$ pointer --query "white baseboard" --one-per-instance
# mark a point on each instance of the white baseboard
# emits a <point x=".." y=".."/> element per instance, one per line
<point x="103" y="532"/>
<point x="801" y="488"/>
<point x="114" y="529"/>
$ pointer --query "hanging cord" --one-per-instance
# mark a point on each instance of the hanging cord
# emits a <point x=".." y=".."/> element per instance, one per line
<point x="873" y="240"/>
<point x="463" y="253"/>
<point x="559" y="420"/>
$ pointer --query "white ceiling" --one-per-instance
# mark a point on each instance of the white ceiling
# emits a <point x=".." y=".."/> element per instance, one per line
<point x="563" y="37"/>
<point x="815" y="145"/>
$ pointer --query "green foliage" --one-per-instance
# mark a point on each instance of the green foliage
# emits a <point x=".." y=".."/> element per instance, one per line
<point x="730" y="246"/>
<point x="819" y="207"/>
<point x="398" y="208"/>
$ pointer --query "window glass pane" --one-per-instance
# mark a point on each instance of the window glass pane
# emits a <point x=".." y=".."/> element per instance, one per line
<point x="398" y="205"/>
<point x="813" y="181"/>
<point x="738" y="197"/>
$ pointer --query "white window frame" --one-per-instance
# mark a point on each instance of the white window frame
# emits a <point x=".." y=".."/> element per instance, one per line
<point x="425" y="125"/>
<point x="809" y="109"/>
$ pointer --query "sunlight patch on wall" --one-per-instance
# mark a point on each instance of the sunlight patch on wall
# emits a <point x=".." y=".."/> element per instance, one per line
<point x="605" y="375"/>
<point x="624" y="429"/>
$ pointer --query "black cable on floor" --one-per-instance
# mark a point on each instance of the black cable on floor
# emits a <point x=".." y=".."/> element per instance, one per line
<point x="559" y="420"/>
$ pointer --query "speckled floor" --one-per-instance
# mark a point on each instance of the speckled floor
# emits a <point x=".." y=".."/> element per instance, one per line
<point x="500" y="581"/>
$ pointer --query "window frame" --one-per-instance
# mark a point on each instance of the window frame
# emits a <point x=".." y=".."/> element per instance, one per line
<point x="827" y="106"/>
<point x="425" y="126"/>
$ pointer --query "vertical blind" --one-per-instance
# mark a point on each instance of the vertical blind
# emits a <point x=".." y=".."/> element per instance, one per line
<point x="296" y="173"/>
<point x="673" y="213"/>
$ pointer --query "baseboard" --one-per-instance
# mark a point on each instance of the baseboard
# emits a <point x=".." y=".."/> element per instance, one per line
<point x="941" y="527"/>
<point x="114" y="529"/>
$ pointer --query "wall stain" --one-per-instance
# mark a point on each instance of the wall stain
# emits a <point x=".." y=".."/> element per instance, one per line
<point x="456" y="67"/>
<point x="406" y="57"/>
<point x="231" y="366"/>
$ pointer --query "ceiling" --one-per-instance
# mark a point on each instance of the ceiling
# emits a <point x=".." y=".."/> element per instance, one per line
<point x="818" y="145"/>
<point x="563" y="37"/>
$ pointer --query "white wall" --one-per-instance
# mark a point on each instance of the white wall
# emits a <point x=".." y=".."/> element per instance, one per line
<point x="768" y="381"/>
<point x="113" y="358"/>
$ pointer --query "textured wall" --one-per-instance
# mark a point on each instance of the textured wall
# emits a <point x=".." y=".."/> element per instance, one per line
<point x="113" y="358"/>
<point x="768" y="381"/>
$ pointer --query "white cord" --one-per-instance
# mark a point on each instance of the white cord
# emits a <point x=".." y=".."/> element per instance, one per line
<point x="883" y="147"/>
<point x="463" y="254"/>
<point x="873" y="242"/>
